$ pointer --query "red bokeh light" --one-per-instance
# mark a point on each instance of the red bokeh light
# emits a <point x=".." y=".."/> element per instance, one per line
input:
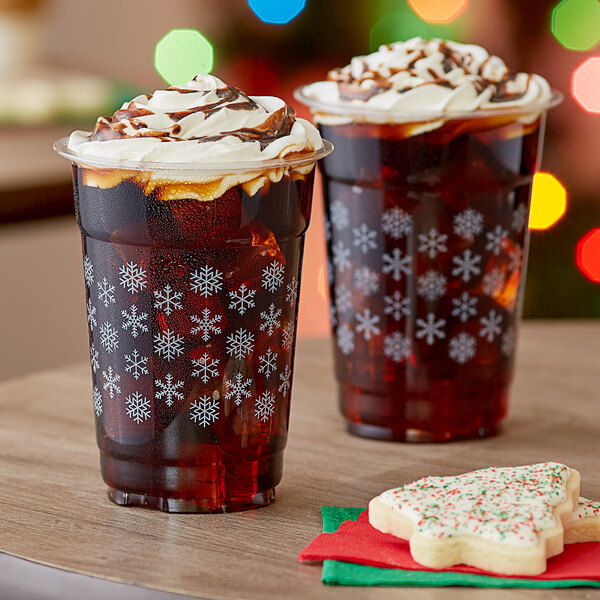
<point x="584" y="84"/>
<point x="587" y="255"/>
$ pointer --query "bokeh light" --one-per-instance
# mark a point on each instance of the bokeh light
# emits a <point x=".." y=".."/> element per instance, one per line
<point x="576" y="23"/>
<point x="396" y="26"/>
<point x="277" y="12"/>
<point x="438" y="11"/>
<point x="587" y="255"/>
<point x="585" y="84"/>
<point x="548" y="201"/>
<point x="182" y="54"/>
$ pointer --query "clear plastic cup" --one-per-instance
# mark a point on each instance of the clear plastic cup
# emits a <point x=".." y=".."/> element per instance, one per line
<point x="192" y="308"/>
<point x="427" y="239"/>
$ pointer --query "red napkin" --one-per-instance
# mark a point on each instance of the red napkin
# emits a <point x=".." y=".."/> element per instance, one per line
<point x="358" y="542"/>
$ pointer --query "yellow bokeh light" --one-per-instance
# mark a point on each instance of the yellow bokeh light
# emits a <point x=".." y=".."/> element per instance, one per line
<point x="438" y="11"/>
<point x="548" y="201"/>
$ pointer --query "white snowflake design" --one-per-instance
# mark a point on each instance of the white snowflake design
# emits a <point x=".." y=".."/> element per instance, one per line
<point x="240" y="343"/>
<point x="345" y="339"/>
<point x="341" y="256"/>
<point x="167" y="299"/>
<point x="169" y="389"/>
<point x="366" y="280"/>
<point x="343" y="298"/>
<point x="493" y="282"/>
<point x="287" y="336"/>
<point x="109" y="337"/>
<point x="168" y="344"/>
<point x="270" y="321"/>
<point x="431" y="285"/>
<point x="431" y="329"/>
<point x="138" y="407"/>
<point x="516" y="258"/>
<point x="367" y="324"/>
<point x="519" y="218"/>
<point x="272" y="277"/>
<point x="204" y="411"/>
<point x="206" y="324"/>
<point x="285" y="377"/>
<point x="365" y="238"/>
<point x="264" y="406"/>
<point x="136" y="364"/>
<point x="496" y="240"/>
<point x="91" y="314"/>
<point x="88" y="271"/>
<point x="97" y="401"/>
<point x="206" y="281"/>
<point x="111" y="381"/>
<point x="106" y="292"/>
<point x="135" y="321"/>
<point x="338" y="212"/>
<point x="236" y="388"/>
<point x="94" y="358"/>
<point x="133" y="277"/>
<point x="242" y="299"/>
<point x="462" y="348"/>
<point x="508" y="342"/>
<point x="464" y="307"/>
<point x="206" y="367"/>
<point x="468" y="224"/>
<point x="490" y="326"/>
<point x="292" y="291"/>
<point x="397" y="346"/>
<point x="432" y="243"/>
<point x="395" y="264"/>
<point x="467" y="265"/>
<point x="396" y="223"/>
<point x="268" y="362"/>
<point x="396" y="306"/>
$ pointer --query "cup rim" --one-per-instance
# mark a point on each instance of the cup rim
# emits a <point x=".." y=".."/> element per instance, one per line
<point x="297" y="160"/>
<point x="381" y="117"/>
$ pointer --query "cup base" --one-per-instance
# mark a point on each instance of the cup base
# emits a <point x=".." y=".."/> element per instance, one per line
<point x="193" y="505"/>
<point x="376" y="432"/>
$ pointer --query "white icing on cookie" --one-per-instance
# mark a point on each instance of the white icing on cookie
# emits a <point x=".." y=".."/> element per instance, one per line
<point x="509" y="505"/>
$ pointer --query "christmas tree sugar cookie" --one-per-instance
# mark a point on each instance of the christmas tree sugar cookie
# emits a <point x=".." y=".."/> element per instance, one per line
<point x="585" y="526"/>
<point x="506" y="520"/>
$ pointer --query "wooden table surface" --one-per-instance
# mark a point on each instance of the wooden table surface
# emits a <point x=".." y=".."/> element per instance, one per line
<point x="54" y="507"/>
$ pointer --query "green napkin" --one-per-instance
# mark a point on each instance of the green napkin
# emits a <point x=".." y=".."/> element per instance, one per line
<point x="336" y="572"/>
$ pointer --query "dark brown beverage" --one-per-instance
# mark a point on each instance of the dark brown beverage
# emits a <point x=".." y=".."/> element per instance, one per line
<point x="427" y="234"/>
<point x="192" y="309"/>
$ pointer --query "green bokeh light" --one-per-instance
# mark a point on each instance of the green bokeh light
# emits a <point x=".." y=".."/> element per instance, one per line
<point x="182" y="54"/>
<point x="576" y="23"/>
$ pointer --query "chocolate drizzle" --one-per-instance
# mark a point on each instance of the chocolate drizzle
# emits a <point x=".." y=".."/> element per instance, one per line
<point x="352" y="80"/>
<point x="276" y="125"/>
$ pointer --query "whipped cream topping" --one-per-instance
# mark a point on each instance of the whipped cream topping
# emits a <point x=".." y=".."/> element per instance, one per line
<point x="202" y="121"/>
<point x="426" y="77"/>
<point x="223" y="135"/>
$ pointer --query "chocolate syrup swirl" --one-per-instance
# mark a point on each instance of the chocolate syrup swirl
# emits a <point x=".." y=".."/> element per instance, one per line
<point x="131" y="122"/>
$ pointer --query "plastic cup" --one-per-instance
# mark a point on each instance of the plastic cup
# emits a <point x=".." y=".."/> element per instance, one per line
<point x="192" y="308"/>
<point x="427" y="239"/>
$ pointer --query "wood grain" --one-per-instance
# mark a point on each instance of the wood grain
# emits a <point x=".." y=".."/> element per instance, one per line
<point x="54" y="507"/>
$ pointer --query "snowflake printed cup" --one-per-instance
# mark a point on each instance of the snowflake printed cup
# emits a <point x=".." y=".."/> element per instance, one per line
<point x="192" y="274"/>
<point x="427" y="203"/>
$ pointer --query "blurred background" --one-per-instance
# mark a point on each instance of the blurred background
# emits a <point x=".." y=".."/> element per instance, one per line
<point x="63" y="62"/>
